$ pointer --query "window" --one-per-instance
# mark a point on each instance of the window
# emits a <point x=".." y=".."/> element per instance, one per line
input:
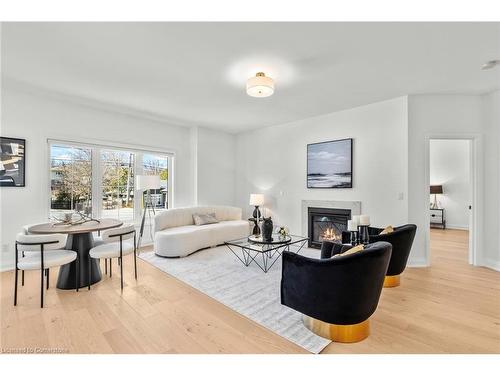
<point x="70" y="179"/>
<point x="157" y="165"/>
<point x="117" y="184"/>
<point x="100" y="180"/>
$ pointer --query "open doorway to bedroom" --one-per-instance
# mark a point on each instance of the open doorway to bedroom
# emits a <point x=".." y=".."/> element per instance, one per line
<point x="451" y="200"/>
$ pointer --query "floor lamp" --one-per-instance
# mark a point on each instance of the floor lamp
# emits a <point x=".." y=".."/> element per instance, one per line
<point x="147" y="183"/>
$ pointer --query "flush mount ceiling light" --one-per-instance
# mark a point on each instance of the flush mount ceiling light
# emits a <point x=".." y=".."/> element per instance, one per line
<point x="490" y="64"/>
<point x="260" y="86"/>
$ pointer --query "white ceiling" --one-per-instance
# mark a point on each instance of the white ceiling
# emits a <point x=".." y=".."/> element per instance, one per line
<point x="195" y="73"/>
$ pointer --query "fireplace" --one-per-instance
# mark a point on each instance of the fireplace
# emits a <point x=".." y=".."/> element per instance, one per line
<point x="326" y="224"/>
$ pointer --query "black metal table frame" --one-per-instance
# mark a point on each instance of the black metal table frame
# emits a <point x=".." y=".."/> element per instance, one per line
<point x="267" y="255"/>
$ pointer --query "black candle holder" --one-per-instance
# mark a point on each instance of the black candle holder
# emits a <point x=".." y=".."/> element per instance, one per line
<point x="363" y="235"/>
<point x="354" y="237"/>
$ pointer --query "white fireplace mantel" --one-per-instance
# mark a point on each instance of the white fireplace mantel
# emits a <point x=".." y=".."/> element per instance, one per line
<point x="354" y="206"/>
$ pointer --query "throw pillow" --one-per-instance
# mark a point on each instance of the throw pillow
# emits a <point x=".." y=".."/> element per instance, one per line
<point x="352" y="250"/>
<point x="387" y="230"/>
<point x="204" y="219"/>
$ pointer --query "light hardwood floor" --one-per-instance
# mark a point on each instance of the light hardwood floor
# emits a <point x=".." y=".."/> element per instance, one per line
<point x="450" y="307"/>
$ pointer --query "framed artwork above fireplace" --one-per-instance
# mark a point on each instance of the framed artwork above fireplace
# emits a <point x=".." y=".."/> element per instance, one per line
<point x="329" y="164"/>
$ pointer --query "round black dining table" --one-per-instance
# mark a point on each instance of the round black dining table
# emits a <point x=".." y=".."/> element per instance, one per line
<point x="81" y="240"/>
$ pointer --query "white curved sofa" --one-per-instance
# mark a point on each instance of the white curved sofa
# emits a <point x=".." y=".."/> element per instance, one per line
<point x="177" y="236"/>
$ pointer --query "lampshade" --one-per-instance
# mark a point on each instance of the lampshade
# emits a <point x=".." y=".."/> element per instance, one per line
<point x="143" y="182"/>
<point x="256" y="199"/>
<point x="260" y="86"/>
<point x="436" y="189"/>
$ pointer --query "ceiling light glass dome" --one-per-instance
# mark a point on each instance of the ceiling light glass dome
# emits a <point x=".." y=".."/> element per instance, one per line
<point x="260" y="86"/>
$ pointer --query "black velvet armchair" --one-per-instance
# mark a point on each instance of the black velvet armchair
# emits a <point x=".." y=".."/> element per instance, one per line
<point x="336" y="295"/>
<point x="401" y="240"/>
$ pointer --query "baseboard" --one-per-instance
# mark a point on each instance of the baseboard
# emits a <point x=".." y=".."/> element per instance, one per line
<point x="417" y="263"/>
<point x="493" y="264"/>
<point x="459" y="227"/>
<point x="6" y="267"/>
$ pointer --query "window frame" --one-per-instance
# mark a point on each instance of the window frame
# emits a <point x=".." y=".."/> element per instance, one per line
<point x="169" y="169"/>
<point x="96" y="148"/>
<point x="50" y="168"/>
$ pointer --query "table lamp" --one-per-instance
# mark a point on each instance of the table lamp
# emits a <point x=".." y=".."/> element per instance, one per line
<point x="256" y="200"/>
<point x="436" y="189"/>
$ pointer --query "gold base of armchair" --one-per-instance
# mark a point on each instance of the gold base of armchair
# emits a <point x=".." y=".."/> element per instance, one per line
<point x="392" y="281"/>
<point x="337" y="332"/>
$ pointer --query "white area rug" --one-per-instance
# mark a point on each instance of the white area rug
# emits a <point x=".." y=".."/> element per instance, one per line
<point x="248" y="290"/>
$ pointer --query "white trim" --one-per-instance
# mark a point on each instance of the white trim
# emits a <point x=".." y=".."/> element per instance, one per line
<point x="477" y="181"/>
<point x="417" y="263"/>
<point x="4" y="267"/>
<point x="93" y="142"/>
<point x="96" y="180"/>
<point x="48" y="182"/>
<point x="457" y="227"/>
<point x="493" y="264"/>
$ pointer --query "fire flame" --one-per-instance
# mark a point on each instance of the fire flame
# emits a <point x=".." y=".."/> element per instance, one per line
<point x="330" y="235"/>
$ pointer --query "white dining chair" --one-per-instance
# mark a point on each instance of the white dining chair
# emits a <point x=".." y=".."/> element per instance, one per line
<point x="117" y="243"/>
<point x="26" y="230"/>
<point x="99" y="241"/>
<point x="45" y="251"/>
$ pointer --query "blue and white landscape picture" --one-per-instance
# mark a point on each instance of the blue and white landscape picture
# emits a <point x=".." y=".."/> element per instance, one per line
<point x="329" y="164"/>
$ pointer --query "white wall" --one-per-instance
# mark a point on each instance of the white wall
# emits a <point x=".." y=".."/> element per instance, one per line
<point x="389" y="158"/>
<point x="450" y="166"/>
<point x="491" y="145"/>
<point x="273" y="161"/>
<point x="36" y="117"/>
<point x="216" y="164"/>
<point x="441" y="116"/>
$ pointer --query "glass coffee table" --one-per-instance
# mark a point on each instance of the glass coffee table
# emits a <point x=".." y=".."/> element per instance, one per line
<point x="254" y="249"/>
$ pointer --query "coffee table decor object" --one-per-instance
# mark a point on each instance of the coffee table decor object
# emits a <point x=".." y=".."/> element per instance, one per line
<point x="255" y="249"/>
<point x="267" y="229"/>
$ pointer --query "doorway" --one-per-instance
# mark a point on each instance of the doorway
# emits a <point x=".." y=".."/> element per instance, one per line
<point x="451" y="203"/>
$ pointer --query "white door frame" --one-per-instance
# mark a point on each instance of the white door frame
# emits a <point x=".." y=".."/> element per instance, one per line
<point x="476" y="181"/>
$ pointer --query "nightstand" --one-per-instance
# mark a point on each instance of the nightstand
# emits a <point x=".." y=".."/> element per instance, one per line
<point x="438" y="218"/>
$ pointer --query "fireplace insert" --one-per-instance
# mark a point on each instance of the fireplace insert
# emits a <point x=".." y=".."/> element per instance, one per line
<point x="326" y="224"/>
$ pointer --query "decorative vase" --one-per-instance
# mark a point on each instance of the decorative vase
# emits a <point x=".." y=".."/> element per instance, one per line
<point x="267" y="229"/>
<point x="363" y="235"/>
